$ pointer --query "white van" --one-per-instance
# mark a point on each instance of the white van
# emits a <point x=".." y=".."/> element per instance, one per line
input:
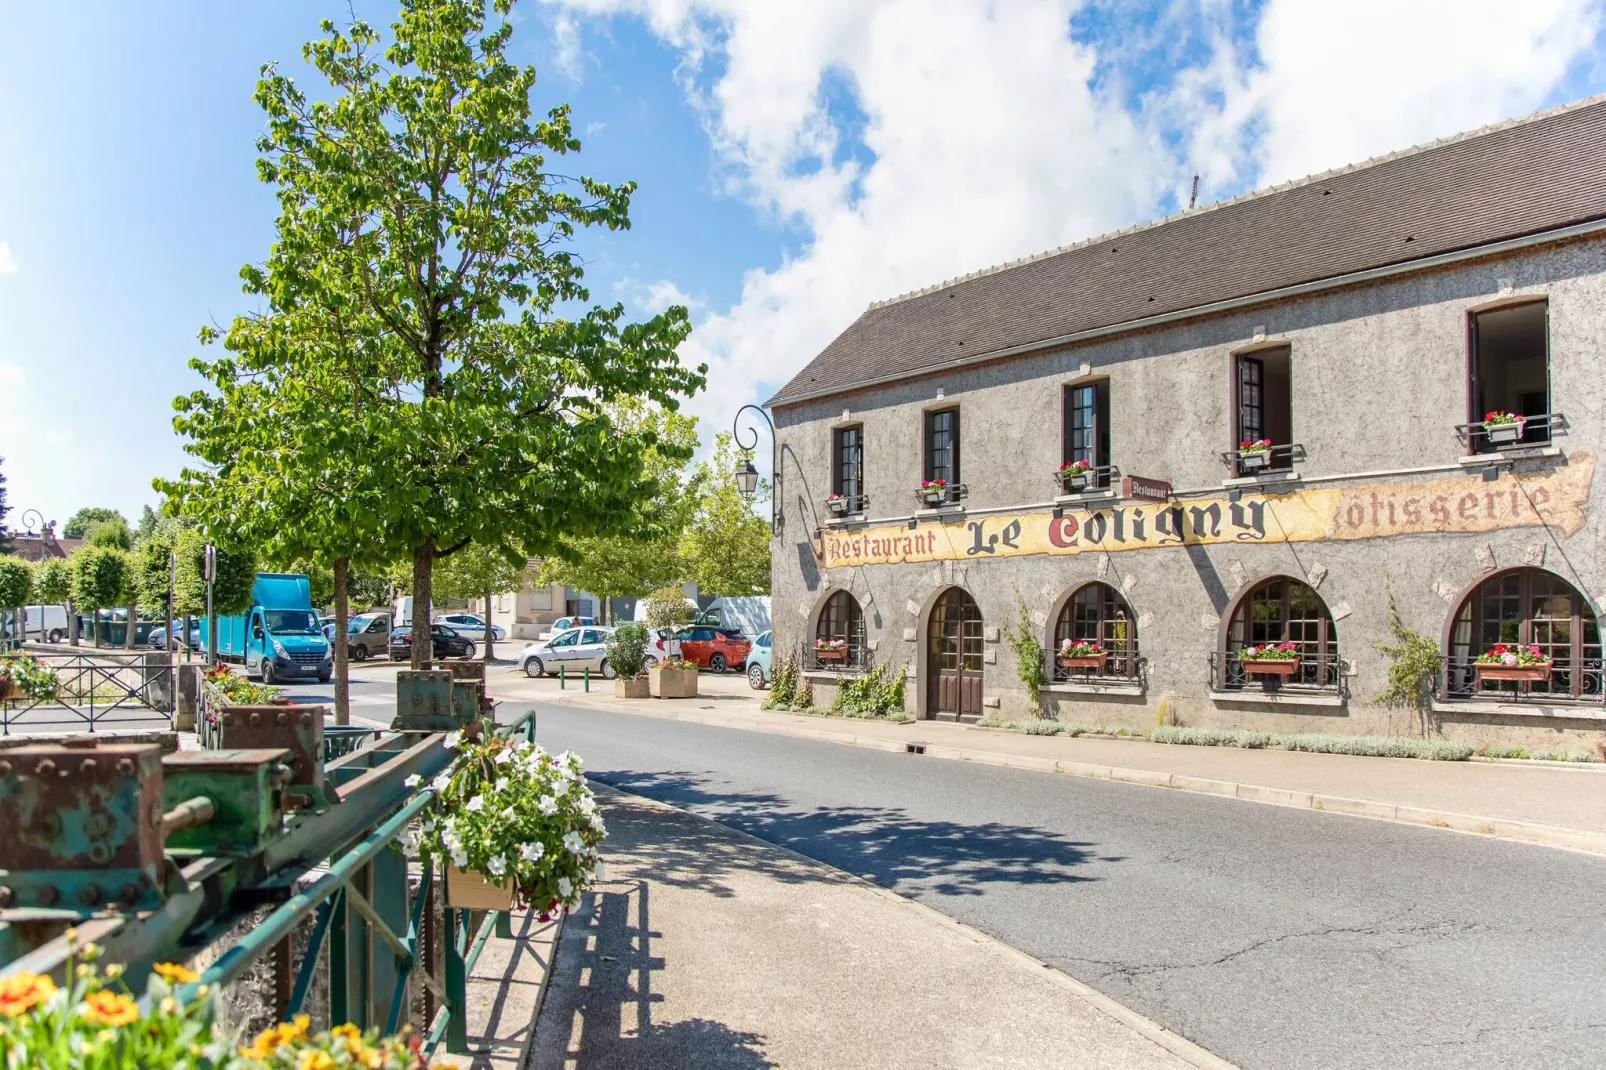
<point x="54" y="628"/>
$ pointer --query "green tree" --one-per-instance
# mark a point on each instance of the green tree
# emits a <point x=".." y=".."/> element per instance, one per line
<point x="416" y="203"/>
<point x="52" y="580"/>
<point x="99" y="581"/>
<point x="5" y="533"/>
<point x="148" y="520"/>
<point x="113" y="534"/>
<point x="16" y="587"/>
<point x="79" y="523"/>
<point x="478" y="572"/>
<point x="726" y="547"/>
<point x="667" y="608"/>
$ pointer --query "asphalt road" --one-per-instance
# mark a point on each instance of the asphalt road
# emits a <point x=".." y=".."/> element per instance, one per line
<point x="1276" y="938"/>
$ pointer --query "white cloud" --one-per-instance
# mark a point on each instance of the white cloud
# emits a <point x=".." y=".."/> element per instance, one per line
<point x="8" y="263"/>
<point x="567" y="57"/>
<point x="987" y="136"/>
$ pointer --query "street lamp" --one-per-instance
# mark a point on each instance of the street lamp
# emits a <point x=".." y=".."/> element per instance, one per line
<point x="747" y="475"/>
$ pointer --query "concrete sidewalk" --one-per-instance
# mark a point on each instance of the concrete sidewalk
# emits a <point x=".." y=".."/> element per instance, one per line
<point x="1548" y="803"/>
<point x="704" y="947"/>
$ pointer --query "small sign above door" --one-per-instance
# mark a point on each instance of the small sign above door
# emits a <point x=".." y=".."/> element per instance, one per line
<point x="1151" y="490"/>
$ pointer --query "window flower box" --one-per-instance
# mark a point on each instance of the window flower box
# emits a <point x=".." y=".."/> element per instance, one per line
<point x="1273" y="659"/>
<point x="1083" y="655"/>
<point x="1076" y="476"/>
<point x="1502" y="428"/>
<point x="933" y="492"/>
<point x="1523" y="664"/>
<point x="1254" y="455"/>
<point x="837" y="505"/>
<point x="831" y="649"/>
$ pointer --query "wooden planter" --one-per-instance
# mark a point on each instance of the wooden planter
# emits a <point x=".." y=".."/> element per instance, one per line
<point x="1502" y="434"/>
<point x="636" y="688"/>
<point x="1535" y="674"/>
<point x="672" y="683"/>
<point x="9" y="690"/>
<point x="1257" y="459"/>
<point x="1091" y="662"/>
<point x="822" y="653"/>
<point x="469" y="890"/>
<point x="1269" y="666"/>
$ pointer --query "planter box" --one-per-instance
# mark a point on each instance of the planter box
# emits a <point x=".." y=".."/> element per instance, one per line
<point x="836" y="506"/>
<point x="933" y="495"/>
<point x="9" y="690"/>
<point x="1257" y="459"/>
<point x="639" y="687"/>
<point x="1094" y="662"/>
<point x="1528" y="673"/>
<point x="1077" y="483"/>
<point x="672" y="683"/>
<point x="1502" y="434"/>
<point x="469" y="890"/>
<point x="830" y="654"/>
<point x="1269" y="666"/>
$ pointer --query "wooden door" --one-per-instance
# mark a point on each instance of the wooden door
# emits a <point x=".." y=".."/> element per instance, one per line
<point x="953" y="658"/>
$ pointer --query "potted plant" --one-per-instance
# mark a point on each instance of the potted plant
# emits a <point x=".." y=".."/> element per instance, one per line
<point x="1256" y="454"/>
<point x="933" y="491"/>
<point x="673" y="679"/>
<point x="1076" y="475"/>
<point x="626" y="651"/>
<point x="1272" y="659"/>
<point x="1503" y="662"/>
<point x="1081" y="654"/>
<point x="1502" y="428"/>
<point x="836" y="504"/>
<point x="511" y="824"/>
<point x="830" y="649"/>
<point x="21" y="676"/>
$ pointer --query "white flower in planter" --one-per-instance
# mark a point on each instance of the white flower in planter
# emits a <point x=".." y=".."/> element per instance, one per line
<point x="453" y="740"/>
<point x="565" y="888"/>
<point x="413" y="781"/>
<point x="504" y="757"/>
<point x="596" y="823"/>
<point x="532" y="852"/>
<point x="440" y="782"/>
<point x="547" y="805"/>
<point x="476" y="804"/>
<point x="497" y="866"/>
<point x="573" y="843"/>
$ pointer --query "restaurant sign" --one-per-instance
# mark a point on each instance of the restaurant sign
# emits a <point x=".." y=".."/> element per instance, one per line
<point x="1459" y="505"/>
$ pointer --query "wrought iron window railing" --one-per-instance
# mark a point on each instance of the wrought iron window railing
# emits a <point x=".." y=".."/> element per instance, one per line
<point x="1319" y="674"/>
<point x="847" y="504"/>
<point x="1569" y="684"/>
<point x="852" y="658"/>
<point x="935" y="497"/>
<point x="1118" y="666"/>
<point x="1272" y="459"/>
<point x="1100" y="478"/>
<point x="1532" y="433"/>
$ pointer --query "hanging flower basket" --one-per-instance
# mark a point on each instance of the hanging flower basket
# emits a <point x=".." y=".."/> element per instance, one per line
<point x="1502" y="428"/>
<point x="1273" y="659"/>
<point x="1503" y="662"/>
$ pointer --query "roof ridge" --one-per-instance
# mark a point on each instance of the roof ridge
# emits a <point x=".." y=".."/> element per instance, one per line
<point x="1265" y="191"/>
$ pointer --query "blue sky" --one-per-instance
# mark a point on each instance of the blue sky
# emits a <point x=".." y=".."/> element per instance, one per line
<point x="797" y="160"/>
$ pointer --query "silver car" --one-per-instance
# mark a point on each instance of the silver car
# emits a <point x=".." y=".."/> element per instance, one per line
<point x="573" y="650"/>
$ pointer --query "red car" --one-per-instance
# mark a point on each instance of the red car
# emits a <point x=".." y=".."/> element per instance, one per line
<point x="713" y="648"/>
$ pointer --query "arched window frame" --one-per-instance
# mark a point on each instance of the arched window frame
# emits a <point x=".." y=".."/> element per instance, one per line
<point x="1576" y="656"/>
<point x="1096" y="611"/>
<point x="1287" y="615"/>
<point x="840" y="618"/>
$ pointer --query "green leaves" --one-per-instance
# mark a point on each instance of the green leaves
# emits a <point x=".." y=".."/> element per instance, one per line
<point x="16" y="582"/>
<point x="726" y="548"/>
<point x="99" y="577"/>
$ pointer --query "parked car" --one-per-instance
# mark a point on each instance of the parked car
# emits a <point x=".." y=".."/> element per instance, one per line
<point x="573" y="650"/>
<point x="367" y="636"/>
<point x="714" y="649"/>
<point x="54" y="628"/>
<point x="563" y="624"/>
<point x="758" y="662"/>
<point x="444" y="643"/>
<point x="662" y="646"/>
<point x="469" y="626"/>
<point x="159" y="637"/>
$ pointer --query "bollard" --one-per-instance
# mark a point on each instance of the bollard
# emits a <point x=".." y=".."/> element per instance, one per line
<point x="588" y="678"/>
<point x="563" y="681"/>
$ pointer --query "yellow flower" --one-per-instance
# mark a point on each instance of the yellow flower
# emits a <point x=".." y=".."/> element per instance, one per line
<point x="297" y="1027"/>
<point x="263" y="1044"/>
<point x="108" y="1008"/>
<point x="23" y="990"/>
<point x="174" y="974"/>
<point x="169" y="1005"/>
<point x="350" y="1034"/>
<point x="311" y="1059"/>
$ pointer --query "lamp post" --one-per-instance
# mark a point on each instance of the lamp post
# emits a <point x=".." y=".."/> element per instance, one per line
<point x="30" y="519"/>
<point x="747" y="475"/>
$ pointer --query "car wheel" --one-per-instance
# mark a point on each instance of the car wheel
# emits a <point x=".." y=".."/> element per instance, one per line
<point x="57" y="635"/>
<point x="357" y="653"/>
<point x="717" y="663"/>
<point x="607" y="671"/>
<point x="269" y="678"/>
<point x="755" y="677"/>
<point x="469" y="653"/>
<point x="323" y="677"/>
<point x="534" y="669"/>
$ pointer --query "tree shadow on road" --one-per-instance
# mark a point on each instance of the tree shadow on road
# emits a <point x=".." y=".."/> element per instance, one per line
<point x="885" y="845"/>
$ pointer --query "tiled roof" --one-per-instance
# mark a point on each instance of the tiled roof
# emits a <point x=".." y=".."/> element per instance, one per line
<point x="1505" y="181"/>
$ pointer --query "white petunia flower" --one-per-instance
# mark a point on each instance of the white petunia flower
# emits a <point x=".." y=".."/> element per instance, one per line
<point x="573" y="843"/>
<point x="509" y="814"/>
<point x="547" y="805"/>
<point x="503" y="757"/>
<point x="440" y="782"/>
<point x="427" y="825"/>
<point x="413" y="781"/>
<point x="532" y="852"/>
<point x="459" y="857"/>
<point x="453" y="740"/>
<point x="565" y="887"/>
<point x="497" y="866"/>
<point x="596" y="823"/>
<point x="476" y="804"/>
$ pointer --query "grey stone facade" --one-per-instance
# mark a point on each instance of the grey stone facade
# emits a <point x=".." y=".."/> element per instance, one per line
<point x="1379" y="383"/>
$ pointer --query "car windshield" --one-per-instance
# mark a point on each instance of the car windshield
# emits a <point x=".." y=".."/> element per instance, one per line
<point x="357" y="624"/>
<point x="291" y="622"/>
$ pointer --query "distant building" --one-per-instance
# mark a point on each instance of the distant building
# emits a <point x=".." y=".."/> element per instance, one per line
<point x="36" y="547"/>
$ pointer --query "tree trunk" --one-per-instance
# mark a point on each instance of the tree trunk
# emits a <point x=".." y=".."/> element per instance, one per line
<point x="128" y="636"/>
<point x="490" y="631"/>
<point x="423" y="564"/>
<point x="342" y="611"/>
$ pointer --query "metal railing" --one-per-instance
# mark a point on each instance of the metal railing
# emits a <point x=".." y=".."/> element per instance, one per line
<point x="952" y="494"/>
<point x="1322" y="675"/>
<point x="1567" y="685"/>
<point x="855" y="657"/>
<point x="1119" y="667"/>
<point x="1277" y="459"/>
<point x="93" y="688"/>
<point x="1535" y="432"/>
<point x="847" y="505"/>
<point x="1100" y="478"/>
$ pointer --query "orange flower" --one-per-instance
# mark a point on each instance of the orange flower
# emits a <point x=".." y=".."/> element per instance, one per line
<point x="174" y="974"/>
<point x="23" y="990"/>
<point x="350" y="1034"/>
<point x="312" y="1059"/>
<point x="108" y="1008"/>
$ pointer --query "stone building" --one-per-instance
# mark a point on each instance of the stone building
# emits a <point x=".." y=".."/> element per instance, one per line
<point x="1355" y="328"/>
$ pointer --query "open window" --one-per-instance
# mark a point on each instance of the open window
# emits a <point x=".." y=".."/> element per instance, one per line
<point x="1085" y="432"/>
<point x="1263" y="402"/>
<point x="847" y="468"/>
<point x="1509" y="374"/>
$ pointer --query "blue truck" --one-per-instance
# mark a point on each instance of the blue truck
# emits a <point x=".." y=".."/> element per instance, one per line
<point x="278" y="638"/>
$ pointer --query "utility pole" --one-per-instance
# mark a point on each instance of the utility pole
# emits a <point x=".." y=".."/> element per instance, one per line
<point x="209" y="568"/>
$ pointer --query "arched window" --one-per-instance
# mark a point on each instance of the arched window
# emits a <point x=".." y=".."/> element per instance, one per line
<point x="1283" y="610"/>
<point x="1527" y="607"/>
<point x="1097" y="613"/>
<point x="839" y="633"/>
